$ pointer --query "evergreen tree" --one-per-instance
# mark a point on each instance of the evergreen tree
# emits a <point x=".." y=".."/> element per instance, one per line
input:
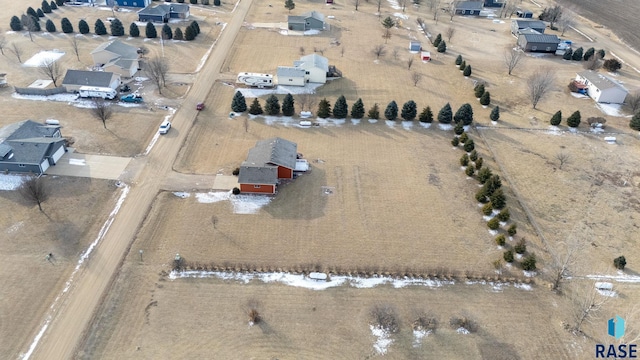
<point x="32" y="13"/>
<point x="487" y="209"/>
<point x="409" y="110"/>
<point x="495" y="114"/>
<point x="589" y="53"/>
<point x="177" y="35"/>
<point x="464" y="160"/>
<point x="53" y="5"/>
<point x="374" y="112"/>
<point x="66" y="25"/>
<point x="481" y="195"/>
<point x="324" y="109"/>
<point x="255" y="108"/>
<point x="504" y="215"/>
<point x="498" y="200"/>
<point x="493" y="224"/>
<point x="520" y="247"/>
<point x="479" y="164"/>
<point x="239" y="104"/>
<point x="216" y="2"/>
<point x="455" y="142"/>
<point x="426" y="116"/>
<point x="601" y="53"/>
<point x="464" y="115"/>
<point x="529" y="262"/>
<point x="512" y="230"/>
<point x="568" y="55"/>
<point x="83" y="27"/>
<point x="340" y="108"/>
<point x="463" y="65"/>
<point x="464" y="137"/>
<point x="470" y="171"/>
<point x="150" y="31"/>
<point x="60" y="2"/>
<point x="508" y="256"/>
<point x="442" y="47"/>
<point x="289" y="5"/>
<point x="133" y="30"/>
<point x="445" y="115"/>
<point x="485" y="99"/>
<point x="15" y="24"/>
<point x="288" y="107"/>
<point x="479" y="90"/>
<point x="40" y="13"/>
<point x="473" y="156"/>
<point x="46" y="8"/>
<point x="556" y="118"/>
<point x="437" y="40"/>
<point x="99" y="28"/>
<point x="635" y="122"/>
<point x="357" y="110"/>
<point x="117" y="29"/>
<point x="50" y="26"/>
<point x="577" y="54"/>
<point x="574" y="120"/>
<point x="167" y="34"/>
<point x="500" y="240"/>
<point x="459" y="60"/>
<point x="195" y="26"/>
<point x="193" y="2"/>
<point x="469" y="145"/>
<point x="484" y="175"/>
<point x="492" y="184"/>
<point x="272" y="106"/>
<point x="189" y="33"/>
<point x="391" y="112"/>
<point x="467" y="71"/>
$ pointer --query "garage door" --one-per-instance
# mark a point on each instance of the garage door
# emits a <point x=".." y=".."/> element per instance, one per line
<point x="57" y="155"/>
<point x="44" y="165"/>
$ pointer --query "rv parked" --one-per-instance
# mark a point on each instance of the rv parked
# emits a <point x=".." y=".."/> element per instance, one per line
<point x="255" y="79"/>
<point x="97" y="92"/>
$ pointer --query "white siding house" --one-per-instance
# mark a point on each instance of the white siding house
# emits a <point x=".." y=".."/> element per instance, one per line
<point x="288" y="75"/>
<point x="316" y="68"/>
<point x="601" y="88"/>
<point x="117" y="57"/>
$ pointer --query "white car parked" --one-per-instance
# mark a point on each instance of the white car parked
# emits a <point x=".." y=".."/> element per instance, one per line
<point x="164" y="127"/>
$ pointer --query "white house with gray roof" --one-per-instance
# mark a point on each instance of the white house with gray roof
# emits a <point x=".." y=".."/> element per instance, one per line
<point x="117" y="57"/>
<point x="289" y="75"/>
<point x="30" y="147"/>
<point x="602" y="88"/>
<point x="316" y="68"/>
<point x="74" y="79"/>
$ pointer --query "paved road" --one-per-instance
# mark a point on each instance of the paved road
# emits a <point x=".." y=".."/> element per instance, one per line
<point x="72" y="318"/>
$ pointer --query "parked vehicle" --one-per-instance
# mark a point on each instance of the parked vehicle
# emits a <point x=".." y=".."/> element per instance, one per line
<point x="97" y="92"/>
<point x="164" y="127"/>
<point x="255" y="79"/>
<point x="200" y="106"/>
<point x="125" y="88"/>
<point x="131" y="98"/>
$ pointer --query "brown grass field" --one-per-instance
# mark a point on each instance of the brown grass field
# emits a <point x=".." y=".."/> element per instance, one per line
<point x="401" y="202"/>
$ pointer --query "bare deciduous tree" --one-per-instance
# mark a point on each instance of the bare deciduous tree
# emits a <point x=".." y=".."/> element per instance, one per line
<point x="539" y="84"/>
<point x="301" y="50"/>
<point x="306" y="101"/>
<point x="594" y="63"/>
<point x="449" y="33"/>
<point x="143" y="51"/>
<point x="17" y="51"/>
<point x="588" y="304"/>
<point x="395" y="53"/>
<point x="512" y="58"/>
<point x="75" y="46"/>
<point x="631" y="331"/>
<point x="157" y="69"/>
<point x="29" y="23"/>
<point x="434" y="7"/>
<point x="101" y="110"/>
<point x="409" y="62"/>
<point x="342" y="51"/>
<point x="508" y="8"/>
<point x="35" y="190"/>
<point x="565" y="259"/>
<point x="356" y="3"/>
<point x="379" y="3"/>
<point x="566" y="22"/>
<point x="633" y="101"/>
<point x="246" y="125"/>
<point x="562" y="158"/>
<point x="379" y="50"/>
<point x="52" y="70"/>
<point x="415" y="78"/>
<point x="3" y="42"/>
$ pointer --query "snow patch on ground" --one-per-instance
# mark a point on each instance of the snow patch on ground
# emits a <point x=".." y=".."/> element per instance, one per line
<point x="279" y="90"/>
<point x="407" y="125"/>
<point x="372" y="121"/>
<point x="610" y="109"/>
<point x="78" y="162"/>
<point x="462" y="331"/>
<point x="242" y="204"/>
<point x="425" y="125"/>
<point x="181" y="194"/>
<point x="212" y="197"/>
<point x="529" y="274"/>
<point x="355" y="121"/>
<point x="394" y="4"/>
<point x="608" y="293"/>
<point x="418" y="335"/>
<point x="383" y="339"/>
<point x="10" y="181"/>
<point x="579" y="96"/>
<point x="42" y="58"/>
<point x="312" y="32"/>
<point x="445" y="127"/>
<point x="401" y="16"/>
<point x="390" y="123"/>
<point x="618" y="278"/>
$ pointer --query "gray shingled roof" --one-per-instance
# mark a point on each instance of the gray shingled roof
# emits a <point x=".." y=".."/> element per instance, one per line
<point x="4" y="150"/>
<point x="600" y="81"/>
<point x="164" y="9"/>
<point x="287" y="71"/>
<point x="315" y="59"/>
<point x="29" y="140"/>
<point x="295" y="19"/>
<point x="314" y="14"/>
<point x="534" y="24"/>
<point x="541" y="38"/>
<point x="87" y="78"/>
<point x="117" y="47"/>
<point x="31" y="152"/>
<point x="258" y="174"/>
<point x="275" y="151"/>
<point x="26" y="129"/>
<point x="153" y="10"/>
<point x="468" y="5"/>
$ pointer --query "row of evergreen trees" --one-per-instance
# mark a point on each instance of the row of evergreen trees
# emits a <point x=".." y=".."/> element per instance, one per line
<point x="492" y="196"/>
<point x="573" y="121"/>
<point x="579" y="54"/>
<point x="32" y="17"/>
<point x="440" y="44"/>
<point x="462" y="65"/>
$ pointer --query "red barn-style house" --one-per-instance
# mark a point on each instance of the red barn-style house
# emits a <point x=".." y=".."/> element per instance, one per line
<point x="268" y="162"/>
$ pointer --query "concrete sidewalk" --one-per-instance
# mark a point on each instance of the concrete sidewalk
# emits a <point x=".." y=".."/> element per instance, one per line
<point x="91" y="166"/>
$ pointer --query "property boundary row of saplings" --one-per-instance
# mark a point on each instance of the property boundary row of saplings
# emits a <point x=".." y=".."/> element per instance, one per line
<point x="31" y="22"/>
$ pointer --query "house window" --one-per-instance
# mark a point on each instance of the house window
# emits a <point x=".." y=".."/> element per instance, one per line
<point x="256" y="186"/>
<point x="21" y="165"/>
<point x="290" y="79"/>
<point x="306" y="72"/>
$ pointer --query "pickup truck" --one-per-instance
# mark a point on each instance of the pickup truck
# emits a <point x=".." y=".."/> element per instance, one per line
<point x="131" y="98"/>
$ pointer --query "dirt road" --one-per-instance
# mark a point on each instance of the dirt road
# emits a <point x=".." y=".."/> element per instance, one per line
<point x="77" y="308"/>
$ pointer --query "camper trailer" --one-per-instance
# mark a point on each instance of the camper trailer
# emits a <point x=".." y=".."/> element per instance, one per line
<point x="255" y="79"/>
<point x="97" y="92"/>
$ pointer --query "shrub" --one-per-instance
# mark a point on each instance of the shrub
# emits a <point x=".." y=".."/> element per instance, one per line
<point x="459" y="60"/>
<point x="529" y="262"/>
<point x="467" y="71"/>
<point x="478" y="90"/>
<point x="254" y="315"/>
<point x="426" y="116"/>
<point x="385" y="317"/>
<point x="500" y="240"/>
<point x="495" y="114"/>
<point x="255" y="108"/>
<point x="235" y="191"/>
<point x="216" y="2"/>
<point x="99" y="28"/>
<point x="473" y="156"/>
<point x="464" y="160"/>
<point x="556" y="118"/>
<point x="15" y="24"/>
<point x="512" y="230"/>
<point x="374" y="112"/>
<point x="455" y="141"/>
<point x="574" y="120"/>
<point x="391" y="112"/>
<point x="620" y="262"/>
<point x="508" y="256"/>
<point x="635" y="122"/>
<point x="485" y="100"/>
<point x="464" y="137"/>
<point x="83" y="27"/>
<point x="288" y="105"/>
<point x="272" y="105"/>
<point x="469" y="145"/>
<point x="612" y="65"/>
<point x="459" y="130"/>
<point x="589" y="53"/>
<point x="66" y="25"/>
<point x="340" y="108"/>
<point x="504" y="215"/>
<point x="236" y="171"/>
<point x="324" y="109"/>
<point x="463" y="322"/>
<point x="478" y="164"/>
<point x="493" y="224"/>
<point x="520" y="247"/>
<point x="193" y="2"/>
<point x="487" y="209"/>
<point x="498" y="200"/>
<point x="484" y="175"/>
<point x="470" y="171"/>
<point x="601" y="53"/>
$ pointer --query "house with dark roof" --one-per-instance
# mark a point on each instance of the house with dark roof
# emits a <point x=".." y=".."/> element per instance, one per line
<point x="30" y="147"/>
<point x="74" y="79"/>
<point x="494" y="3"/>
<point x="466" y="7"/>
<point x="163" y="12"/>
<point x="602" y="88"/>
<point x="538" y="42"/>
<point x="312" y="20"/>
<point x="129" y="3"/>
<point x="117" y="57"/>
<point x="269" y="162"/>
<point x="518" y="25"/>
